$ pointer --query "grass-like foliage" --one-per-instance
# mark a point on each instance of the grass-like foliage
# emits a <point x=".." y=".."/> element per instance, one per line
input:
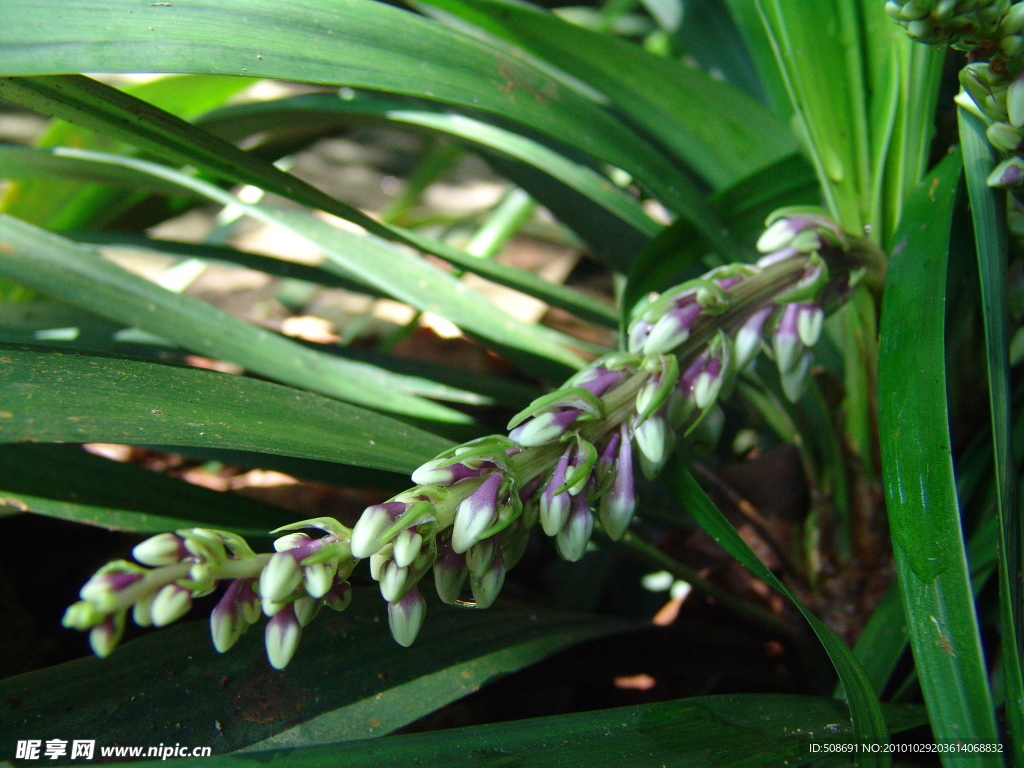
<point x="732" y="481"/>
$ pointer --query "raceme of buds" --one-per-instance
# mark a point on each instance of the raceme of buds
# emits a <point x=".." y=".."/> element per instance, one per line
<point x="304" y="574"/>
<point x="960" y="23"/>
<point x="568" y="465"/>
<point x="992" y="31"/>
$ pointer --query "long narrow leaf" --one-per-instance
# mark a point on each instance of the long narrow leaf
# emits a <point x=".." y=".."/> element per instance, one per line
<point x="244" y="120"/>
<point x="987" y="206"/>
<point x="54" y="397"/>
<point x="107" y="110"/>
<point x="378" y="264"/>
<point x="79" y="275"/>
<point x="712" y="126"/>
<point x="353" y="42"/>
<point x="349" y="679"/>
<point x="69" y="483"/>
<point x="59" y="204"/>
<point x="865" y="710"/>
<point x="918" y="472"/>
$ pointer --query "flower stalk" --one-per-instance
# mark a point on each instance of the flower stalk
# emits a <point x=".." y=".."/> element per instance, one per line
<point x="568" y="464"/>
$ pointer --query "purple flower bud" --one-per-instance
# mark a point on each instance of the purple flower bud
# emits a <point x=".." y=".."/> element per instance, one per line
<point x="749" y="336"/>
<point x="407" y="546"/>
<point x="105" y="636"/>
<point x="368" y="530"/>
<point x="393" y="581"/>
<point x="82" y="615"/>
<point x="339" y="597"/>
<point x="437" y="472"/>
<point x="609" y="455"/>
<point x="449" y="573"/>
<point x="162" y="549"/>
<point x="572" y="539"/>
<point x="229" y="619"/>
<point x="281" y="576"/>
<point x="405" y="617"/>
<point x="671" y="330"/>
<point x="650" y="389"/>
<point x="476" y="513"/>
<point x="638" y="333"/>
<point x="599" y="380"/>
<point x="618" y="504"/>
<point x="102" y="588"/>
<point x="318" y="578"/>
<point x="291" y="541"/>
<point x="554" y="508"/>
<point x="780" y="234"/>
<point x="709" y="381"/>
<point x="480" y="555"/>
<point x="544" y="428"/>
<point x="170" y="604"/>
<point x="142" y="611"/>
<point x="809" y="322"/>
<point x="282" y="637"/>
<point x="487" y="586"/>
<point x="786" y="339"/>
<point x="654" y="441"/>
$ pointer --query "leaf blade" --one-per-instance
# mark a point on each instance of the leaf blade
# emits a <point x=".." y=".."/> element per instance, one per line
<point x="100" y="400"/>
<point x="918" y="473"/>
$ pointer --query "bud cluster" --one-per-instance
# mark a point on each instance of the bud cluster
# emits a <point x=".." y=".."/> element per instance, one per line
<point x="992" y="84"/>
<point x="289" y="586"/>
<point x="963" y="24"/>
<point x="568" y="463"/>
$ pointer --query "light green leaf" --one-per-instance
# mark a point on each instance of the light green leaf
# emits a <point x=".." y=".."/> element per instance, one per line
<point x="377" y="263"/>
<point x="63" y="269"/>
<point x="719" y="131"/>
<point x="107" y="110"/>
<point x="67" y="203"/>
<point x="357" y="43"/>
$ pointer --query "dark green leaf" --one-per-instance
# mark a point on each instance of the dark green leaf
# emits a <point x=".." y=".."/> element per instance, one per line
<point x="348" y="680"/>
<point x="868" y="722"/>
<point x="987" y="207"/>
<point x="54" y="397"/>
<point x="72" y="484"/>
<point x="731" y="731"/>
<point x="712" y="126"/>
<point x="924" y="516"/>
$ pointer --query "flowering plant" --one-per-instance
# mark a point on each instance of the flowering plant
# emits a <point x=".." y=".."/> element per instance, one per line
<point x="797" y="259"/>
